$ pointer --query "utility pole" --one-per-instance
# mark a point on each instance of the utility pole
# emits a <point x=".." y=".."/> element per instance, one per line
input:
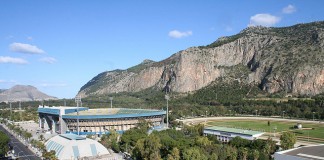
<point x="78" y="100"/>
<point x="111" y="98"/>
<point x="167" y="97"/>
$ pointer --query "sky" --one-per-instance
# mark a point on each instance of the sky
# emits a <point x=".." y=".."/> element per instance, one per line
<point x="58" y="46"/>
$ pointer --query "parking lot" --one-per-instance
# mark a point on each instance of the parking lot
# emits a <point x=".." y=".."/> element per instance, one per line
<point x="33" y="128"/>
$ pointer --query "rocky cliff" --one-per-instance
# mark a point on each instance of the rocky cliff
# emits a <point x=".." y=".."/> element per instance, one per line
<point x="23" y="93"/>
<point x="288" y="59"/>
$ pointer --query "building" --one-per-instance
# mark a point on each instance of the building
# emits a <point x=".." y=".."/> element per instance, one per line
<point x="71" y="146"/>
<point x="225" y="134"/>
<point x="96" y="121"/>
<point x="301" y="153"/>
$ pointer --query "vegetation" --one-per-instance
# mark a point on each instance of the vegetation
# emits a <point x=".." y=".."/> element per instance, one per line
<point x="188" y="144"/>
<point x="287" y="140"/>
<point x="4" y="142"/>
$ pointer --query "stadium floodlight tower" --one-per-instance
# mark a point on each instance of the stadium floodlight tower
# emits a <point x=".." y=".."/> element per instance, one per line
<point x="111" y="98"/>
<point x="167" y="97"/>
<point x="78" y="100"/>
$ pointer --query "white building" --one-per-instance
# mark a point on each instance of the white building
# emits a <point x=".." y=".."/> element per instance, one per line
<point x="301" y="153"/>
<point x="71" y="146"/>
<point x="225" y="134"/>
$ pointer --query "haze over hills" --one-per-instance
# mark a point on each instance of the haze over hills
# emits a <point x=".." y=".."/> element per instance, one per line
<point x="23" y="93"/>
<point x="287" y="60"/>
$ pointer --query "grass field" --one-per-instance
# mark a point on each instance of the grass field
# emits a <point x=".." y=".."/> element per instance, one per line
<point x="316" y="133"/>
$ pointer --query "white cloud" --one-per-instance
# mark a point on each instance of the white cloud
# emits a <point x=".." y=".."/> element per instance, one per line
<point x="25" y="48"/>
<point x="6" y="59"/>
<point x="178" y="34"/>
<point x="289" y="9"/>
<point x="49" y="60"/>
<point x="264" y="20"/>
<point x="30" y="38"/>
<point x="8" y="81"/>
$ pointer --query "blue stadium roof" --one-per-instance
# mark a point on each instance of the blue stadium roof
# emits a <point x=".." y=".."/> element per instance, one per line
<point x="72" y="136"/>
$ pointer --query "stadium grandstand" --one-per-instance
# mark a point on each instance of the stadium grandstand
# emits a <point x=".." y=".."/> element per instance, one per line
<point x="63" y="119"/>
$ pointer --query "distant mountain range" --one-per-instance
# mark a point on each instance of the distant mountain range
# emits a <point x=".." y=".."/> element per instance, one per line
<point x="23" y="93"/>
<point x="287" y="60"/>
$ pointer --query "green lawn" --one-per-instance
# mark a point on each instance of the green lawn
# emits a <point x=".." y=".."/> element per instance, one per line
<point x="317" y="132"/>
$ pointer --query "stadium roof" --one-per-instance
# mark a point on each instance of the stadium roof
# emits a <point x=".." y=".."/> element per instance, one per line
<point x="70" y="146"/>
<point x="234" y="130"/>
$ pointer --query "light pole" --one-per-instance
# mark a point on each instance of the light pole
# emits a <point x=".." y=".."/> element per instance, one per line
<point x="206" y="114"/>
<point x="78" y="100"/>
<point x="230" y="112"/>
<point x="283" y="114"/>
<point x="111" y="98"/>
<point x="256" y="112"/>
<point x="167" y="97"/>
<point x="313" y="116"/>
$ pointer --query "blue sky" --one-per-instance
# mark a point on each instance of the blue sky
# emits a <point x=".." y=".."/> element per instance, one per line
<point x="58" y="46"/>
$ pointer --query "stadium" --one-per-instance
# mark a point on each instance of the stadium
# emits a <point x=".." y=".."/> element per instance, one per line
<point x="63" y="119"/>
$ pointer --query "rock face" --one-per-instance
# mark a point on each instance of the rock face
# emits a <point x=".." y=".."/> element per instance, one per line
<point x="23" y="93"/>
<point x="288" y="59"/>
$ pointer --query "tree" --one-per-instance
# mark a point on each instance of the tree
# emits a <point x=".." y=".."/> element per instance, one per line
<point x="174" y="155"/>
<point x="255" y="154"/>
<point x="239" y="142"/>
<point x="4" y="141"/>
<point x="41" y="137"/>
<point x="202" y="141"/>
<point x="49" y="155"/>
<point x="193" y="153"/>
<point x="243" y="153"/>
<point x="148" y="148"/>
<point x="287" y="140"/>
<point x="111" y="140"/>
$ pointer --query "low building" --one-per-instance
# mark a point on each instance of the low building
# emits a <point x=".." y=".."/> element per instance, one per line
<point x="71" y="146"/>
<point x="225" y="134"/>
<point x="301" y="153"/>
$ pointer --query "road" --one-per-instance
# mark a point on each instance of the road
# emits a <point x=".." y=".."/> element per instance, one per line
<point x="20" y="149"/>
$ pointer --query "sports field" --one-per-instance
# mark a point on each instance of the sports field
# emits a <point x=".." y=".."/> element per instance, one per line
<point x="310" y="131"/>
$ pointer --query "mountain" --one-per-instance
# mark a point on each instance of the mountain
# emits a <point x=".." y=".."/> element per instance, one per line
<point x="277" y="60"/>
<point x="23" y="93"/>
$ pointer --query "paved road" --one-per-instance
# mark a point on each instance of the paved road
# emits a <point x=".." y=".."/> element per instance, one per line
<point x="20" y="150"/>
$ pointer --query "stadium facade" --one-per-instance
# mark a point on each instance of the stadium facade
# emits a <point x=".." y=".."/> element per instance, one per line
<point x="96" y="121"/>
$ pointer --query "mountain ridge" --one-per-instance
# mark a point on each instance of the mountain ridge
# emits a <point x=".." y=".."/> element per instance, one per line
<point x="23" y="93"/>
<point x="286" y="59"/>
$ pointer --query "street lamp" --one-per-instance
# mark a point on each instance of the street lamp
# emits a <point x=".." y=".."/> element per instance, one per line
<point x="206" y="114"/>
<point x="167" y="97"/>
<point x="283" y="114"/>
<point x="313" y="115"/>
<point x="111" y="98"/>
<point x="78" y="100"/>
<point x="256" y="112"/>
